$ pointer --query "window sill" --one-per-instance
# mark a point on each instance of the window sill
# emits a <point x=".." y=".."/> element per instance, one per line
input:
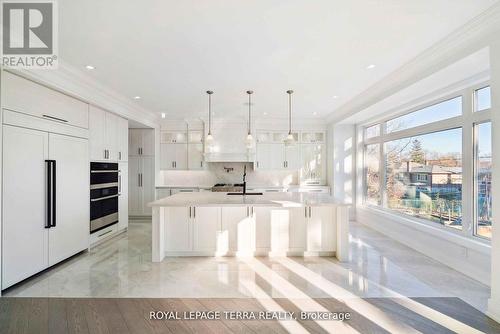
<point x="475" y="243"/>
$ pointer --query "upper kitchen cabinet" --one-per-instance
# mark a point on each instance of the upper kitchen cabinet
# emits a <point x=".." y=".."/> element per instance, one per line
<point x="181" y="146"/>
<point x="22" y="95"/>
<point x="122" y="139"/>
<point x="107" y="134"/>
<point x="141" y="142"/>
<point x="313" y="137"/>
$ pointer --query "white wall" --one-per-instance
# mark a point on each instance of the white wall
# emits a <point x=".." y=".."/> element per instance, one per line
<point x="494" y="303"/>
<point x="344" y="164"/>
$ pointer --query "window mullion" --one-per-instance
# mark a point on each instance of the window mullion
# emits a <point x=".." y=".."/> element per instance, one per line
<point x="468" y="142"/>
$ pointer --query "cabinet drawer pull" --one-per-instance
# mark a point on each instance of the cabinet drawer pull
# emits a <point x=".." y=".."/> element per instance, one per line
<point x="55" y="118"/>
<point x="190" y="212"/>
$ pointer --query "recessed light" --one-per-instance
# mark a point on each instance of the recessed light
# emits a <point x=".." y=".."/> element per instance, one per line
<point x="335" y="97"/>
<point x="371" y="66"/>
<point x="90" y="67"/>
<point x="137" y="97"/>
<point x="315" y="113"/>
<point x="265" y="113"/>
<point x="163" y="115"/>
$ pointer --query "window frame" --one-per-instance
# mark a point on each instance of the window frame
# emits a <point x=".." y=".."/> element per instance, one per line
<point x="475" y="174"/>
<point x="467" y="121"/>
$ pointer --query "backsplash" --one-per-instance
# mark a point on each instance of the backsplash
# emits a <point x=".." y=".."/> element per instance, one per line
<point x="215" y="173"/>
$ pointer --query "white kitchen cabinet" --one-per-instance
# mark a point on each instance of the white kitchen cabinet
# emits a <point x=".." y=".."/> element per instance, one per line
<point x="178" y="225"/>
<point x="292" y="157"/>
<point x="97" y="141"/>
<point x="270" y="156"/>
<point x="173" y="137"/>
<point x="298" y="230"/>
<point x="173" y="156"/>
<point x="111" y="135"/>
<point x="321" y="232"/>
<point x="162" y="193"/>
<point x="238" y="230"/>
<point x="313" y="137"/>
<point x="206" y="223"/>
<point x="107" y="134"/>
<point x="192" y="229"/>
<point x="31" y="240"/>
<point x="141" y="142"/>
<point x="313" y="165"/>
<point x="141" y="185"/>
<point x="122" y="139"/>
<point x="263" y="228"/>
<point x="123" y="198"/>
<point x="28" y="97"/>
<point x="195" y="156"/>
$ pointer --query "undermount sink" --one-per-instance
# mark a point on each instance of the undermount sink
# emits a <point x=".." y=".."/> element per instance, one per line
<point x="243" y="194"/>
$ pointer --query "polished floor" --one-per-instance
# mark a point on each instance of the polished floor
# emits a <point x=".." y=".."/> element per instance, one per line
<point x="379" y="268"/>
<point x="127" y="315"/>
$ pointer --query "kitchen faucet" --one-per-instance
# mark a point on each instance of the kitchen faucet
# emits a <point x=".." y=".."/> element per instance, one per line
<point x="244" y="179"/>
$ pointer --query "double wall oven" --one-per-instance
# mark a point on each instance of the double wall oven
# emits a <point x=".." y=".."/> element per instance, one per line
<point x="105" y="186"/>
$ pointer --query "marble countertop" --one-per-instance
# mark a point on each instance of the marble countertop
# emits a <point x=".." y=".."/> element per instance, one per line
<point x="282" y="199"/>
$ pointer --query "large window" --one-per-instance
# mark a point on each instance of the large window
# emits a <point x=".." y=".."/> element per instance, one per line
<point x="483" y="180"/>
<point x="372" y="173"/>
<point x="415" y="166"/>
<point x="424" y="176"/>
<point x="433" y="113"/>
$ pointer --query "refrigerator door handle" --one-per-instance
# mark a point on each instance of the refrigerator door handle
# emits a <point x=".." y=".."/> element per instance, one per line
<point x="54" y="192"/>
<point x="49" y="194"/>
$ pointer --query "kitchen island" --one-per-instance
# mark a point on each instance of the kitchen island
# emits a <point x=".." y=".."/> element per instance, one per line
<point x="272" y="224"/>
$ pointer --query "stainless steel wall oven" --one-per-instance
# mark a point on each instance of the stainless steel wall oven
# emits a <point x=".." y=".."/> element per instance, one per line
<point x="104" y="192"/>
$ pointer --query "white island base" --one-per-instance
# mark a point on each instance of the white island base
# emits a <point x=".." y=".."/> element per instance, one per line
<point x="273" y="224"/>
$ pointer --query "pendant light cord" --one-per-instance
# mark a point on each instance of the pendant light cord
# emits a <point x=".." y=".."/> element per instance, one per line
<point x="209" y="92"/>
<point x="289" y="92"/>
<point x="249" y="113"/>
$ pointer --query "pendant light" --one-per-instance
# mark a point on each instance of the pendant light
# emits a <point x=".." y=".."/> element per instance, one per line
<point x="210" y="139"/>
<point x="249" y="140"/>
<point x="289" y="140"/>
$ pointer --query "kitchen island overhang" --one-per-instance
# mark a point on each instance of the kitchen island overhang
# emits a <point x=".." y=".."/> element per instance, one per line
<point x="272" y="224"/>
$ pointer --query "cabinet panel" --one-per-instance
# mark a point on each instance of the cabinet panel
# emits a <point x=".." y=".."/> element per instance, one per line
<point x="135" y="197"/>
<point x="263" y="219"/>
<point x="71" y="233"/>
<point x="97" y="141"/>
<point x="123" y="199"/>
<point x="238" y="230"/>
<point x="122" y="139"/>
<point x="292" y="157"/>
<point x="181" y="156"/>
<point x="178" y="230"/>
<point x="111" y="135"/>
<point x="135" y="141"/>
<point x="28" y="97"/>
<point x="321" y="229"/>
<point x="195" y="156"/>
<point x="206" y="228"/>
<point x="270" y="156"/>
<point x="280" y="230"/>
<point x="24" y="238"/>
<point x="147" y="183"/>
<point x="298" y="231"/>
<point x="148" y="142"/>
<point x="168" y="154"/>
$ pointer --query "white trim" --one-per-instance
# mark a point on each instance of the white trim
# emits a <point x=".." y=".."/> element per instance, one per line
<point x="73" y="82"/>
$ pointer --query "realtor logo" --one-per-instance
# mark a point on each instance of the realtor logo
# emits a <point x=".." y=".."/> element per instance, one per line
<point x="29" y="34"/>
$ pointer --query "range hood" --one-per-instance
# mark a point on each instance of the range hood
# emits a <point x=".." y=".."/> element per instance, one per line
<point x="229" y="143"/>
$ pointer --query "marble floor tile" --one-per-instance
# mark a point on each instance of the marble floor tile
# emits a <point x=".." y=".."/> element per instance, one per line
<point x="378" y="267"/>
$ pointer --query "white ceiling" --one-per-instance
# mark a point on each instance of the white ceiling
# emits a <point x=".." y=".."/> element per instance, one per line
<point x="171" y="52"/>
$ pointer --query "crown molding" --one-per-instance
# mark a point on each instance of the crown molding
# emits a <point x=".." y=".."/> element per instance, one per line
<point x="74" y="82"/>
<point x="471" y="37"/>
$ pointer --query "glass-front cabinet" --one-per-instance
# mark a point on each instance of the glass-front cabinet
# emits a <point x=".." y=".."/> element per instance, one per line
<point x="313" y="164"/>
